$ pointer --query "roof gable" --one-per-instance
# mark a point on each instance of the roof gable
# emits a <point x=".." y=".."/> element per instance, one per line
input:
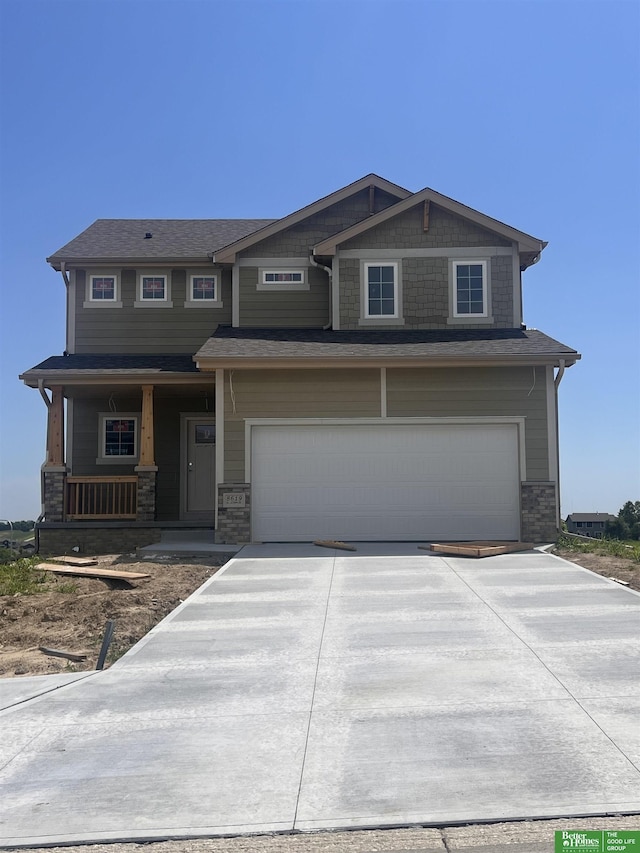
<point x="229" y="252"/>
<point x="529" y="245"/>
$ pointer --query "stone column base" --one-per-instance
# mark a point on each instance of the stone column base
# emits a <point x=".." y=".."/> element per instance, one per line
<point x="538" y="512"/>
<point x="53" y="489"/>
<point x="146" y="506"/>
<point x="234" y="514"/>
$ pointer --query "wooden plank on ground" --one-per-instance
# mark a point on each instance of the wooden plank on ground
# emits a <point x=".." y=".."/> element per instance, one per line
<point x="478" y="549"/>
<point x="330" y="543"/>
<point x="85" y="572"/>
<point x="58" y="653"/>
<point x="76" y="561"/>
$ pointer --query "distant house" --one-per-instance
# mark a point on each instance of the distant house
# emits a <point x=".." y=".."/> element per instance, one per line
<point x="588" y="523"/>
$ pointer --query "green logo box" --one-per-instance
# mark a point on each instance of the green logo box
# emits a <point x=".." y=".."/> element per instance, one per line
<point x="597" y="841"/>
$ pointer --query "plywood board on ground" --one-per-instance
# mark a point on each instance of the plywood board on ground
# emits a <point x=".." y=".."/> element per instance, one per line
<point x="478" y="549"/>
<point x="332" y="543"/>
<point x="77" y="561"/>
<point x="81" y="571"/>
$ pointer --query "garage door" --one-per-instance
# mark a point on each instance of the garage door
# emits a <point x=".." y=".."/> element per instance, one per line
<point x="384" y="482"/>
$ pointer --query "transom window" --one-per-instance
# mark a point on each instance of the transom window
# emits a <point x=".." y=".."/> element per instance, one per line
<point x="274" y="278"/>
<point x="470" y="298"/>
<point x="381" y="290"/>
<point x="119" y="437"/>
<point x="153" y="287"/>
<point x="103" y="287"/>
<point x="204" y="287"/>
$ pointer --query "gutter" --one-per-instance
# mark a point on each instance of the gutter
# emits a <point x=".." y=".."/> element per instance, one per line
<point x="329" y="272"/>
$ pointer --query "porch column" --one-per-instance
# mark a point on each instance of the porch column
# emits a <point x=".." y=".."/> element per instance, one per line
<point x="54" y="471"/>
<point x="146" y="469"/>
<point x="147" y="453"/>
<point x="55" y="429"/>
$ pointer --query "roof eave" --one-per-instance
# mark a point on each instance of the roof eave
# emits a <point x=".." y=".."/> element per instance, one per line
<point x="31" y="378"/>
<point x="209" y="363"/>
<point x="56" y="262"/>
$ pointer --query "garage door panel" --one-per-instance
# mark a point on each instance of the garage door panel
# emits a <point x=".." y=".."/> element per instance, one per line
<point x="385" y="482"/>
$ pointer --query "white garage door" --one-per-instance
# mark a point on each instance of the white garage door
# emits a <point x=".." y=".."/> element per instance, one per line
<point x="384" y="482"/>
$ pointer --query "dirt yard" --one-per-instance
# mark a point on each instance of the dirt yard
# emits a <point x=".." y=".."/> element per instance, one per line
<point x="71" y="615"/>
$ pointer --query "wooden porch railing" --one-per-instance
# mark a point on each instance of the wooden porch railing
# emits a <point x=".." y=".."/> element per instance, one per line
<point x="101" y="497"/>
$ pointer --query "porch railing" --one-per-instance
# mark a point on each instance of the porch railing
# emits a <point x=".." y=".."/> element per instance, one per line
<point x="101" y="497"/>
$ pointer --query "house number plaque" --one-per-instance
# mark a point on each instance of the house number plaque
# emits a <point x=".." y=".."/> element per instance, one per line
<point x="232" y="499"/>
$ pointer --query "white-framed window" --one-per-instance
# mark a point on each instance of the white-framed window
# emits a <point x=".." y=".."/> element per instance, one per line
<point x="118" y="437"/>
<point x="203" y="290"/>
<point x="153" y="290"/>
<point x="282" y="279"/>
<point x="381" y="299"/>
<point x="102" y="290"/>
<point x="470" y="289"/>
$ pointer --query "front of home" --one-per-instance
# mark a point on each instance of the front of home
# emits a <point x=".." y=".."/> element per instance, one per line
<point x="358" y="370"/>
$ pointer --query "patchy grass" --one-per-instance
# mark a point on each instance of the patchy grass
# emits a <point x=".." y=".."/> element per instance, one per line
<point x="608" y="547"/>
<point x="20" y="577"/>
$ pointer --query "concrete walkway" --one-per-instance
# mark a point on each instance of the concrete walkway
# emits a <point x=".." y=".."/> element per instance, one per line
<point x="306" y="689"/>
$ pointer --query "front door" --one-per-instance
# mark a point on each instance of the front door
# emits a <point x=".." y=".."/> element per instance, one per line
<point x="199" y="476"/>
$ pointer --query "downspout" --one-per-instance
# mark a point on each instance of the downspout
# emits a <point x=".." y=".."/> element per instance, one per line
<point x="65" y="276"/>
<point x="556" y="383"/>
<point x="329" y="272"/>
<point x="36" y="529"/>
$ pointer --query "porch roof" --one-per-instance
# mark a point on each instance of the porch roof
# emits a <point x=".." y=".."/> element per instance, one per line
<point x="265" y="347"/>
<point x="96" y="367"/>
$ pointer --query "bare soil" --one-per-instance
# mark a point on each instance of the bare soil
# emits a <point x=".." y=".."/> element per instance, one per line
<point x="72" y="613"/>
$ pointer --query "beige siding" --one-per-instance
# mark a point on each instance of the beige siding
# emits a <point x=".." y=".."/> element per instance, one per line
<point x="479" y="392"/>
<point x="145" y="330"/>
<point x="293" y="394"/>
<point x="284" y="308"/>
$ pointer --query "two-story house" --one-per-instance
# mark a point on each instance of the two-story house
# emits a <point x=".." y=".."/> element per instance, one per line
<point x="358" y="370"/>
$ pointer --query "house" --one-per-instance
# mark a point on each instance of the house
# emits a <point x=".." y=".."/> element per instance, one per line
<point x="358" y="369"/>
<point x="589" y="523"/>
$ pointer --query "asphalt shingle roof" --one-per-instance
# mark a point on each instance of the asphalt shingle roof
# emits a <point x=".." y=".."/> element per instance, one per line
<point x="228" y="342"/>
<point x="122" y="239"/>
<point x="119" y="363"/>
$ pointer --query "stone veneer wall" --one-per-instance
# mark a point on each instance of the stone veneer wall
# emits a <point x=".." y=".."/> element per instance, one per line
<point x="104" y="538"/>
<point x="234" y="522"/>
<point x="538" y="508"/>
<point x="146" y="505"/>
<point x="53" y="494"/>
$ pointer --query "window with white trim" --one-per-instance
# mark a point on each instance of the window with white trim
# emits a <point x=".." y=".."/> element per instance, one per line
<point x="118" y="437"/>
<point x="102" y="290"/>
<point x="282" y="279"/>
<point x="381" y="291"/>
<point x="153" y="290"/>
<point x="203" y="290"/>
<point x="470" y="289"/>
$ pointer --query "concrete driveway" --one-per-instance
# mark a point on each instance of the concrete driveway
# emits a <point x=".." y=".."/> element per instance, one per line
<point x="303" y="688"/>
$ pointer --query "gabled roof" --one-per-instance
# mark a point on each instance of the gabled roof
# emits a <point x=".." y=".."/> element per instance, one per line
<point x="109" y="240"/>
<point x="235" y="347"/>
<point x="591" y="516"/>
<point x="227" y="255"/>
<point x="527" y="243"/>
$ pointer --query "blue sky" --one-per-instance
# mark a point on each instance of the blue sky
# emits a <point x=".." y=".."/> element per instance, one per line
<point x="528" y="110"/>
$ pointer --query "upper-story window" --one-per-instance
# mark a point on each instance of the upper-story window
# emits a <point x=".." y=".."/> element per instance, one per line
<point x="282" y="279"/>
<point x="203" y="291"/>
<point x="103" y="290"/>
<point x="470" y="299"/>
<point x="382" y="290"/>
<point x="153" y="290"/>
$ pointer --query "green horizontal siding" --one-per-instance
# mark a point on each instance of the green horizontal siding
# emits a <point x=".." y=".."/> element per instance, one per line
<point x="284" y="308"/>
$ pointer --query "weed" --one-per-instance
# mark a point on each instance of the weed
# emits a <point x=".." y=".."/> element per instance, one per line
<point x="21" y="577"/>
<point x="67" y="588"/>
<point x="610" y="547"/>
